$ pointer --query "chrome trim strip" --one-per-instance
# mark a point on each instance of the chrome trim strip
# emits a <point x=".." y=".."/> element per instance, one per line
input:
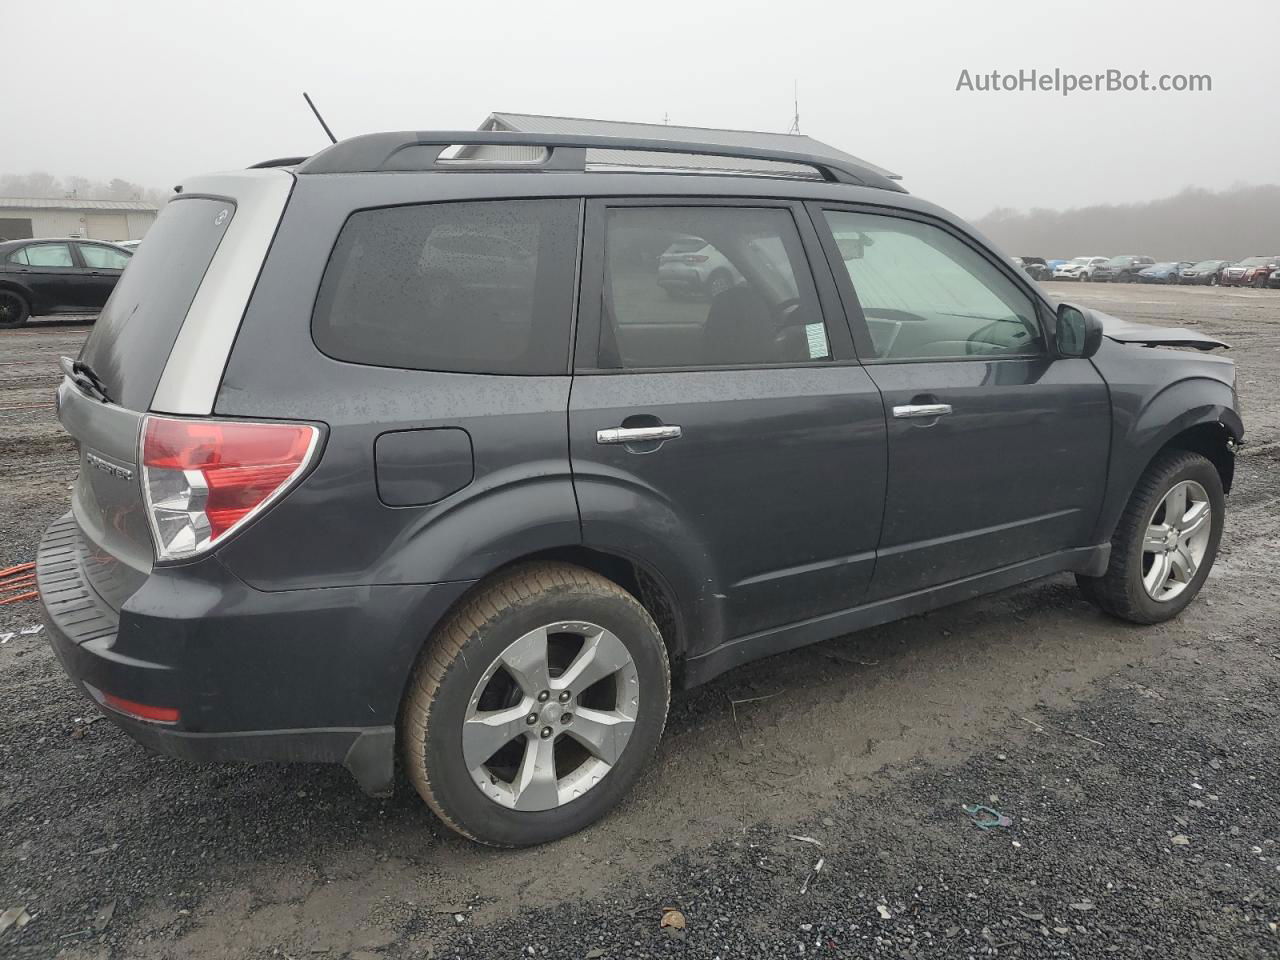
<point x="193" y="373"/>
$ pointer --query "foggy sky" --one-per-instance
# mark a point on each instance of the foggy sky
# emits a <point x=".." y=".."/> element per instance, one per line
<point x="154" y="91"/>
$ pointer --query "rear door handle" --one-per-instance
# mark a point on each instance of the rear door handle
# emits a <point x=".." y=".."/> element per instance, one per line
<point x="909" y="410"/>
<point x="638" y="434"/>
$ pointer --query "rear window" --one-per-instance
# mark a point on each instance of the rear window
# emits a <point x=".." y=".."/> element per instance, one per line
<point x="474" y="287"/>
<point x="131" y="340"/>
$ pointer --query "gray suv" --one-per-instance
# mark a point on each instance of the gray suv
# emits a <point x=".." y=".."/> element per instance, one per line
<point x="386" y="454"/>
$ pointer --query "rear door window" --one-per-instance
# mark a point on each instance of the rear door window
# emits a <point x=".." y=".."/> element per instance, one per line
<point x="131" y="340"/>
<point x="472" y="287"/>
<point x="49" y="255"/>
<point x="729" y="287"/>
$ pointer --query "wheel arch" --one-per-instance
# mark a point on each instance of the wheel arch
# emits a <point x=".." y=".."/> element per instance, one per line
<point x="1208" y="423"/>
<point x="647" y="584"/>
<point x="13" y="286"/>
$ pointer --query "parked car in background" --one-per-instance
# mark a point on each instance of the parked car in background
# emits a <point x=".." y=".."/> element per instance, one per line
<point x="691" y="267"/>
<point x="1168" y="271"/>
<point x="1078" y="268"/>
<point x="1205" y="273"/>
<point x="56" y="275"/>
<point x="490" y="542"/>
<point x="1273" y="281"/>
<point x="1122" y="269"/>
<point x="1250" y="272"/>
<point x="1054" y="263"/>
<point x="1034" y="267"/>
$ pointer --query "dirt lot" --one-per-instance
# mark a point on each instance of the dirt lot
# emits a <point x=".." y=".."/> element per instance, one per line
<point x="1140" y="767"/>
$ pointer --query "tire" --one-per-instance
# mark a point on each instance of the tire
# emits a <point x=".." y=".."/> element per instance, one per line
<point x="1121" y="591"/>
<point x="14" y="310"/>
<point x="455" y="675"/>
<point x="718" y="283"/>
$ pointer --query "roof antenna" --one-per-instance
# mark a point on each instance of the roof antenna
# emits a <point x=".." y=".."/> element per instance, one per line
<point x="795" y="120"/>
<point x="306" y="96"/>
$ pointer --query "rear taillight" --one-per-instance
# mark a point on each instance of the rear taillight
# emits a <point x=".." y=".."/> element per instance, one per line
<point x="694" y="258"/>
<point x="203" y="479"/>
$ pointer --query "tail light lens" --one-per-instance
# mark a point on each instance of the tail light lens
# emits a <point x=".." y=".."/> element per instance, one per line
<point x="695" y="258"/>
<point x="204" y="479"/>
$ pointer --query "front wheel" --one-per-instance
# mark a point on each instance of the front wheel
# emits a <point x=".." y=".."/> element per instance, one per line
<point x="1165" y="543"/>
<point x="536" y="706"/>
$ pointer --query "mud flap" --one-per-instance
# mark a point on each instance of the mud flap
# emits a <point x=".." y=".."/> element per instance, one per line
<point x="371" y="759"/>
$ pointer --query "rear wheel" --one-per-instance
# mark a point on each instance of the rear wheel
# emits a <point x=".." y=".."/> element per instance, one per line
<point x="720" y="282"/>
<point x="536" y="706"/>
<point x="1165" y="543"/>
<point x="14" y="310"/>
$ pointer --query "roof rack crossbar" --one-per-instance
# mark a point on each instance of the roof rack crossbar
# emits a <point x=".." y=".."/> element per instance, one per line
<point x="420" y="151"/>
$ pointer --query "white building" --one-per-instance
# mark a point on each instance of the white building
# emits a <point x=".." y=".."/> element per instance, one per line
<point x="22" y="217"/>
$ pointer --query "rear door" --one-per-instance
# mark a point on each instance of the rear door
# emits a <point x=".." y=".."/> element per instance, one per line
<point x="103" y="265"/>
<point x="997" y="449"/>
<point x="730" y="433"/>
<point x="51" y="272"/>
<point x="128" y="349"/>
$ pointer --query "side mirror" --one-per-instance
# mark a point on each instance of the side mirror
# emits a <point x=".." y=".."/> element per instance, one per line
<point x="1078" y="331"/>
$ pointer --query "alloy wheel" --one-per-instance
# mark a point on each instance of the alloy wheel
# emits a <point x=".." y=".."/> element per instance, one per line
<point x="1176" y="540"/>
<point x="551" y="716"/>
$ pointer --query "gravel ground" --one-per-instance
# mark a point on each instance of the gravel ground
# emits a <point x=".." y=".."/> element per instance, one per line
<point x="1138" y="767"/>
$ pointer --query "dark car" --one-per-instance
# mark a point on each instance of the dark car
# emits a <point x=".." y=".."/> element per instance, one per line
<point x="1123" y="269"/>
<point x="327" y="512"/>
<point x="1250" y="272"/>
<point x="56" y="275"/>
<point x="1205" y="273"/>
<point x="1166" y="272"/>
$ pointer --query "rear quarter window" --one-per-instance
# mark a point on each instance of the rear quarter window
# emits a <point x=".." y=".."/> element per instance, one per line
<point x="471" y="287"/>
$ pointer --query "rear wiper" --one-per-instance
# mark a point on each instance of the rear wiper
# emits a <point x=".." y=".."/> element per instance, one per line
<point x="85" y="378"/>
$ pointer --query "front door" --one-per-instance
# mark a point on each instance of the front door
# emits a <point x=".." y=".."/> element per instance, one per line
<point x="722" y="429"/>
<point x="103" y="265"/>
<point x="997" y="449"/>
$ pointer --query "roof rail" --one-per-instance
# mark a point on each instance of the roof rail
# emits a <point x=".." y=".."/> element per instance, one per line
<point x="410" y="151"/>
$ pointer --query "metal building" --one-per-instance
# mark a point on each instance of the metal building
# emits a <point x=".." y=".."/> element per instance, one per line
<point x="537" y="123"/>
<point x="22" y="217"/>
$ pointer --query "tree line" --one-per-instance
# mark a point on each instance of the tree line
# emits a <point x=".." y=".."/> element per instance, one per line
<point x="1196" y="224"/>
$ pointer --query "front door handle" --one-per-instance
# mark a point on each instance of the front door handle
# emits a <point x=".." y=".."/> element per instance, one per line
<point x="910" y="410"/>
<point x="638" y="434"/>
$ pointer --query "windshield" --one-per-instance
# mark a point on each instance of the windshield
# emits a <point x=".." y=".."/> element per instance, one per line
<point x="1207" y="265"/>
<point x="131" y="340"/>
<point x="1084" y="260"/>
<point x="1119" y="261"/>
<point x="1257" y="261"/>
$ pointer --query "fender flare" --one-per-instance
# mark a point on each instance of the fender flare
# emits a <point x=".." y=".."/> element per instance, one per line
<point x="1181" y="406"/>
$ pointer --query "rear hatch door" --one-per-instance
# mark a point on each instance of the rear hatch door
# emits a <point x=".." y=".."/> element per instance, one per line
<point x="126" y="355"/>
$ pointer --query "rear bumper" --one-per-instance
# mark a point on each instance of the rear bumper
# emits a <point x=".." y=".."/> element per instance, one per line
<point x="303" y="675"/>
